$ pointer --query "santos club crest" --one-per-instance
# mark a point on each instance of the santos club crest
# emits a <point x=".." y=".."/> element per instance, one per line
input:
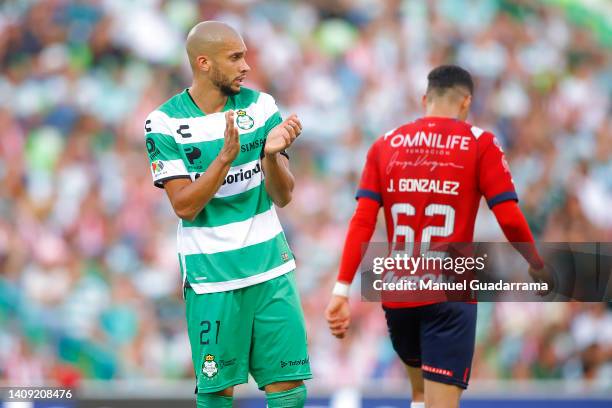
<point x="244" y="121"/>
<point x="209" y="367"/>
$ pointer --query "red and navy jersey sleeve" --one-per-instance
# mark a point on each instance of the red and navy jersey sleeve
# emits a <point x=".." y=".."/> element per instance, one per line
<point x="369" y="186"/>
<point x="494" y="178"/>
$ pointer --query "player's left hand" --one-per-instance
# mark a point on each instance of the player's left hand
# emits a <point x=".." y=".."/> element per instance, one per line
<point x="543" y="275"/>
<point x="338" y="315"/>
<point x="283" y="135"/>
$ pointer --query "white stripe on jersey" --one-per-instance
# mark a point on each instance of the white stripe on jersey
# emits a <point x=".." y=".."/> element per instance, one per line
<point x="236" y="181"/>
<point x="210" y="127"/>
<point x="212" y="287"/>
<point x="228" y="237"/>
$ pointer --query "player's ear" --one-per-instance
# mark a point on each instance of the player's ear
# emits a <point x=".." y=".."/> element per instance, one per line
<point x="424" y="101"/>
<point x="467" y="102"/>
<point x="465" y="107"/>
<point x="203" y="63"/>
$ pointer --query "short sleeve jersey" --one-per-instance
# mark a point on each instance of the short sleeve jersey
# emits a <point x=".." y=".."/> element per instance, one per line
<point x="237" y="239"/>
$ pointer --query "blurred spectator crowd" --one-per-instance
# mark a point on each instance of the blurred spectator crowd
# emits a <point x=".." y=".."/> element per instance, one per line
<point x="80" y="220"/>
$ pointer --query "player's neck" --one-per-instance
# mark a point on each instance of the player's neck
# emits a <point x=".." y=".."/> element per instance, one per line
<point x="208" y="97"/>
<point x="440" y="110"/>
<point x="441" y="114"/>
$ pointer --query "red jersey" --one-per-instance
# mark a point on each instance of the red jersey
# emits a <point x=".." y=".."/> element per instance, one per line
<point x="429" y="175"/>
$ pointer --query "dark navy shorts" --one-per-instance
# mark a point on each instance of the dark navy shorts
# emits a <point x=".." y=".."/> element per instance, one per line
<point x="438" y="338"/>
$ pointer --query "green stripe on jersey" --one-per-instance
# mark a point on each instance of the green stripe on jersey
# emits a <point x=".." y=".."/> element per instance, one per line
<point x="235" y="208"/>
<point x="162" y="147"/>
<point x="274" y="120"/>
<point x="239" y="263"/>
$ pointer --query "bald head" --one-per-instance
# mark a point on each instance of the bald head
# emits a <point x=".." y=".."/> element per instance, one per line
<point x="217" y="56"/>
<point x="208" y="38"/>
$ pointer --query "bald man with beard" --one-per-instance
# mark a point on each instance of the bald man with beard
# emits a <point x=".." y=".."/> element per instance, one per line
<point x="219" y="151"/>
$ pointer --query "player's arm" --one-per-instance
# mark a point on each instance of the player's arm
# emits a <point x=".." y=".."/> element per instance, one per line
<point x="189" y="198"/>
<point x="517" y="232"/>
<point x="514" y="225"/>
<point x="360" y="231"/>
<point x="495" y="182"/>
<point x="279" y="181"/>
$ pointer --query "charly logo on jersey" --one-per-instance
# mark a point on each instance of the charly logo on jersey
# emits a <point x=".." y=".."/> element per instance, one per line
<point x="244" y="121"/>
<point x="209" y="366"/>
<point x="183" y="131"/>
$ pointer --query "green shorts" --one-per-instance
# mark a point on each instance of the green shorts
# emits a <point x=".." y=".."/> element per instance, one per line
<point x="258" y="329"/>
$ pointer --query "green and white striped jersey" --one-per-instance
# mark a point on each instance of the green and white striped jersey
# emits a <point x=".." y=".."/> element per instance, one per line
<point x="237" y="239"/>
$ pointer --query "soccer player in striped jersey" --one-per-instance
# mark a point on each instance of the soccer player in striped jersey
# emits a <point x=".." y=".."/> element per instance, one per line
<point x="209" y="147"/>
<point x="429" y="176"/>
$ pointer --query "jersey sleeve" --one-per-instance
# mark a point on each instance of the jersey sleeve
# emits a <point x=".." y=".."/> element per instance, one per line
<point x="165" y="159"/>
<point x="515" y="227"/>
<point x="494" y="178"/>
<point x="360" y="231"/>
<point x="369" y="186"/>
<point x="271" y="112"/>
<point x="273" y="118"/>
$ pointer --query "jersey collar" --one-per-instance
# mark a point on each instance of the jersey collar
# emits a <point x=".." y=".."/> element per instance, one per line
<point x="194" y="109"/>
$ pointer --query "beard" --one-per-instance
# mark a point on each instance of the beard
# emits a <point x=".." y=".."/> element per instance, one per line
<point x="222" y="82"/>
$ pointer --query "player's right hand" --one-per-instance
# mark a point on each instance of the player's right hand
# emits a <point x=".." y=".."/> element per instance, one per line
<point x="231" y="142"/>
<point x="338" y="315"/>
